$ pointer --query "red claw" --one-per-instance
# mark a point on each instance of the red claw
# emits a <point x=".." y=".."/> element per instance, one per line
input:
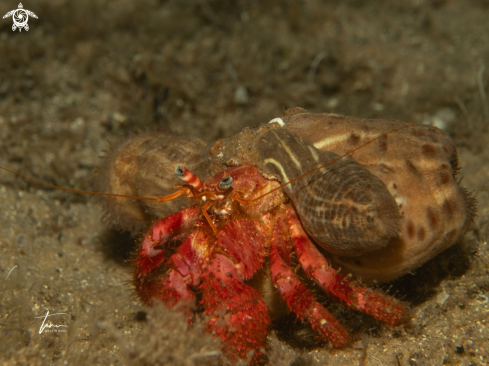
<point x="238" y="314"/>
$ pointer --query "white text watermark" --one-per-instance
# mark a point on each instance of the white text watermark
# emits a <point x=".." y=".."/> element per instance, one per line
<point x="51" y="328"/>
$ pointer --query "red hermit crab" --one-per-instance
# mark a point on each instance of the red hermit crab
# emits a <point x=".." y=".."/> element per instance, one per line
<point x="271" y="194"/>
<point x="226" y="239"/>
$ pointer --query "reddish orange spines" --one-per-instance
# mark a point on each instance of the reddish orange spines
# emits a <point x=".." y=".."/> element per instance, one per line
<point x="314" y="264"/>
<point x="296" y="295"/>
<point x="327" y="327"/>
<point x="148" y="257"/>
<point x="244" y="241"/>
<point x="378" y="305"/>
<point x="174" y="289"/>
<point x="238" y="314"/>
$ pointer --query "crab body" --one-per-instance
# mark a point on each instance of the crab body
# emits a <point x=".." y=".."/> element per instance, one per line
<point x="217" y="257"/>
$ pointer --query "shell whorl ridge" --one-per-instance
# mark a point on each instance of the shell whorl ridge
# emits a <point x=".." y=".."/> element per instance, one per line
<point x="343" y="207"/>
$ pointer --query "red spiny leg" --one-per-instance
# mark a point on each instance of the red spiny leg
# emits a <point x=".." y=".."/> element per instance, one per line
<point x="173" y="289"/>
<point x="151" y="254"/>
<point x="368" y="301"/>
<point x="239" y="316"/>
<point x="295" y="293"/>
<point x="244" y="241"/>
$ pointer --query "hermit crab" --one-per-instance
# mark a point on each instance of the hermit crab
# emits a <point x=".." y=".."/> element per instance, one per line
<point x="376" y="197"/>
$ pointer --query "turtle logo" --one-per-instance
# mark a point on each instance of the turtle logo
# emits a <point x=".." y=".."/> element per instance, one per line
<point x="20" y="17"/>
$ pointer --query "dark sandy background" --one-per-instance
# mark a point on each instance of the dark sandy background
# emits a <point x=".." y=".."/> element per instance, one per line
<point x="91" y="71"/>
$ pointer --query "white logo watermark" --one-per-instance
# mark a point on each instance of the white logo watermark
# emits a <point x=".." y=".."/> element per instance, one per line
<point x="50" y="325"/>
<point x="20" y="17"/>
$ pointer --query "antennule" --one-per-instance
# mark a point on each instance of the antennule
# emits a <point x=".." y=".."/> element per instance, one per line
<point x="80" y="191"/>
<point x="188" y="177"/>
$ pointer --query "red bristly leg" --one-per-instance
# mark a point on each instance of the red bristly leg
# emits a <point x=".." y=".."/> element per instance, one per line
<point x="374" y="303"/>
<point x="295" y="293"/>
<point x="151" y="253"/>
<point x="185" y="271"/>
<point x="239" y="316"/>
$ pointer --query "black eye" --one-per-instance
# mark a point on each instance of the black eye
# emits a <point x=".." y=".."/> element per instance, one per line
<point x="226" y="182"/>
<point x="179" y="172"/>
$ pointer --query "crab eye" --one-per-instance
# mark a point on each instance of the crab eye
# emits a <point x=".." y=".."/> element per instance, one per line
<point x="179" y="172"/>
<point x="226" y="182"/>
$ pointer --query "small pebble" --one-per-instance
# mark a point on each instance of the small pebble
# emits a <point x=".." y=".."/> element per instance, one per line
<point x="459" y="350"/>
<point x="442" y="298"/>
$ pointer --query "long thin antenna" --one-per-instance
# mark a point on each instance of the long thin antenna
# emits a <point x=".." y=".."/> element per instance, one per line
<point x="79" y="191"/>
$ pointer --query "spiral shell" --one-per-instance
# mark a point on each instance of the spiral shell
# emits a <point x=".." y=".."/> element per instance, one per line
<point x="144" y="166"/>
<point x="343" y="207"/>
